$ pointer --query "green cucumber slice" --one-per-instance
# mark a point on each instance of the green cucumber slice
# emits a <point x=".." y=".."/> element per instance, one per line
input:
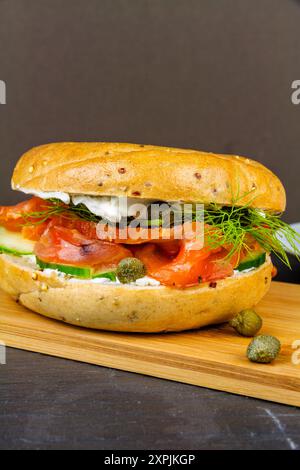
<point x="110" y="275"/>
<point x="253" y="260"/>
<point x="14" y="243"/>
<point x="85" y="273"/>
<point x="76" y="271"/>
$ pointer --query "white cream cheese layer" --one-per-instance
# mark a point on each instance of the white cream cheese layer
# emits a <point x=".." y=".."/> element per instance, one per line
<point x="145" y="281"/>
<point x="237" y="273"/>
<point x="142" y="282"/>
<point x="111" y="208"/>
<point x="64" y="197"/>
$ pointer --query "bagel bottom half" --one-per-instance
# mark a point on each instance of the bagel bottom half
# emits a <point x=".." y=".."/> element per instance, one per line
<point x="131" y="308"/>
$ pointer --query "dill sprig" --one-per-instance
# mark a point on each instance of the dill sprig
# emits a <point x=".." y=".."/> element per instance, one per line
<point x="58" y="208"/>
<point x="39" y="217"/>
<point x="233" y="225"/>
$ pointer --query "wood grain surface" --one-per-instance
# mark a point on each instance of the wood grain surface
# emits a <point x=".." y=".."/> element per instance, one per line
<point x="212" y="357"/>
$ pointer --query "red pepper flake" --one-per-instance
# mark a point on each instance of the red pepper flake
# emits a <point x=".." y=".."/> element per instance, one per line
<point x="136" y="193"/>
<point x="274" y="271"/>
<point x="198" y="176"/>
<point x="122" y="171"/>
<point x="213" y="285"/>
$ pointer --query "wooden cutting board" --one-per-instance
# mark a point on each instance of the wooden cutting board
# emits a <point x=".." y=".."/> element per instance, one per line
<point x="212" y="357"/>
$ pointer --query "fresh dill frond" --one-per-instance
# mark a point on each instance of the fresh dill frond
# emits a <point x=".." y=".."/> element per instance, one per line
<point x="39" y="217"/>
<point x="232" y="226"/>
<point x="58" y="208"/>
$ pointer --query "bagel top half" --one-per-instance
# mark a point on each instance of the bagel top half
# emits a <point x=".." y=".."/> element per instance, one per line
<point x="148" y="172"/>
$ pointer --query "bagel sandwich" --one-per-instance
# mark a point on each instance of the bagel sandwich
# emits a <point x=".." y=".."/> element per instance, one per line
<point x="87" y="248"/>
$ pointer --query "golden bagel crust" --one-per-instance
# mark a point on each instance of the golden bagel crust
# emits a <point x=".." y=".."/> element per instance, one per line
<point x="131" y="308"/>
<point x="145" y="171"/>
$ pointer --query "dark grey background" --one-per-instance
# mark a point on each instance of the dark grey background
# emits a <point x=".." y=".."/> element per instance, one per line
<point x="208" y="74"/>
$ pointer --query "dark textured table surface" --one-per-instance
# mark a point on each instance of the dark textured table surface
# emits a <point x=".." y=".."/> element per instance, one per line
<point x="51" y="403"/>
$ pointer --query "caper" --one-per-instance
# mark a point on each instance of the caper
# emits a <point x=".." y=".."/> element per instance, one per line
<point x="247" y="323"/>
<point x="263" y="348"/>
<point x="130" y="269"/>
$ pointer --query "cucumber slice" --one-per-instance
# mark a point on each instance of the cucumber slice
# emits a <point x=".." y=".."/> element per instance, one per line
<point x="13" y="243"/>
<point x="85" y="273"/>
<point x="110" y="275"/>
<point x="76" y="271"/>
<point x="253" y="260"/>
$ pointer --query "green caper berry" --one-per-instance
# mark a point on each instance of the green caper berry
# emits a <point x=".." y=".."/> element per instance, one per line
<point x="130" y="269"/>
<point x="263" y="348"/>
<point x="247" y="322"/>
